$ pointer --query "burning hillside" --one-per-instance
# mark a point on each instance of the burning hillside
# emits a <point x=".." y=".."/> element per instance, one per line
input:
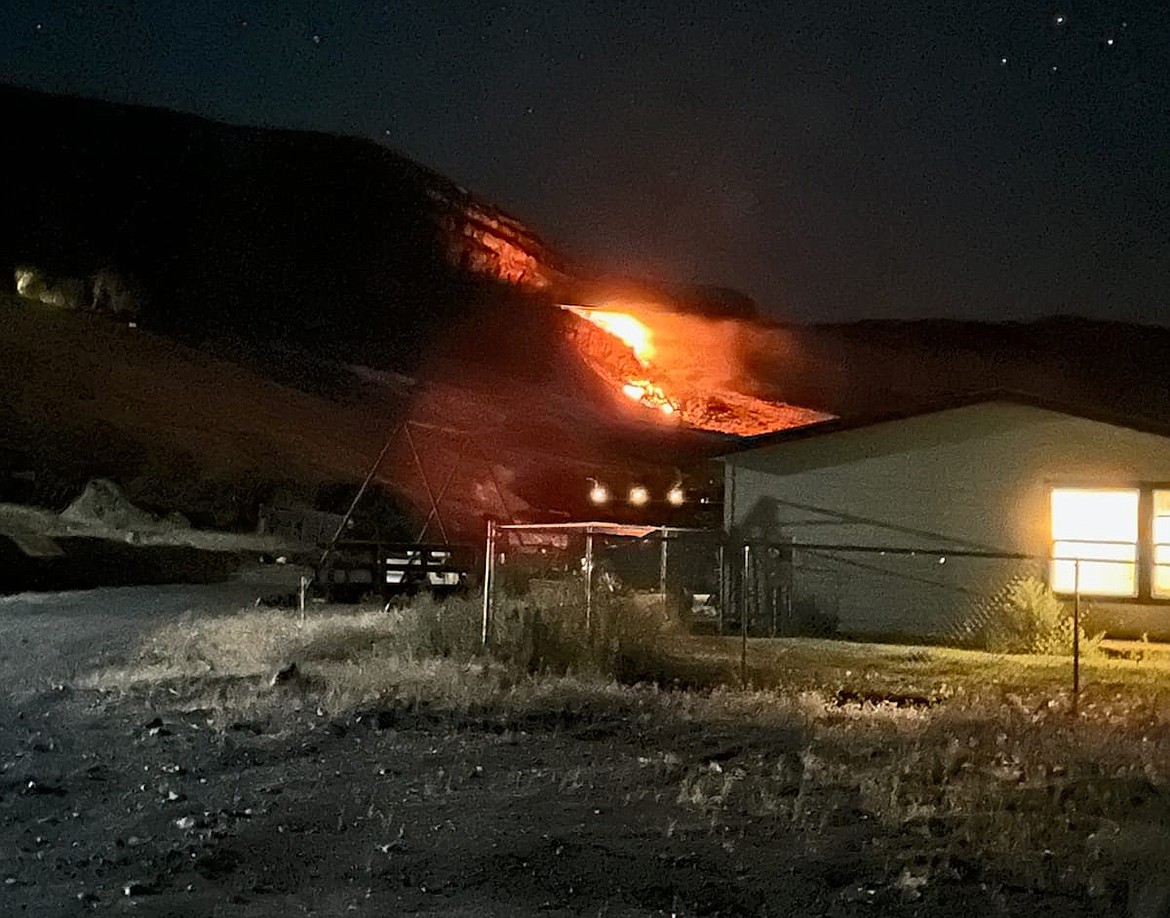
<point x="295" y="256"/>
<point x="683" y="368"/>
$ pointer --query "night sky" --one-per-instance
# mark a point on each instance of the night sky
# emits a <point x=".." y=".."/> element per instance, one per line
<point x="834" y="161"/>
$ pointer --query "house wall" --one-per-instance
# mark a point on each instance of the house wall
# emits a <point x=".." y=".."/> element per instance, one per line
<point x="976" y="477"/>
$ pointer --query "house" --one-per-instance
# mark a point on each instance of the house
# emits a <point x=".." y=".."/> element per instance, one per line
<point x="905" y="524"/>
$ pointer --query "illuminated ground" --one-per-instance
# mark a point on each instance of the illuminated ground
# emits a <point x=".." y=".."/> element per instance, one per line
<point x="143" y="749"/>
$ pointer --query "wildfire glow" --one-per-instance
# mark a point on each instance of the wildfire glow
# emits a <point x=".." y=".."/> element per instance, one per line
<point x="683" y="369"/>
<point x="624" y="326"/>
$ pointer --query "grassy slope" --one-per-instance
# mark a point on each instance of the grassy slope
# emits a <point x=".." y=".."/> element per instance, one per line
<point x="74" y="382"/>
<point x="183" y="429"/>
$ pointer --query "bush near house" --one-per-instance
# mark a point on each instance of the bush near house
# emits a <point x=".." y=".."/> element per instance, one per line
<point x="1025" y="616"/>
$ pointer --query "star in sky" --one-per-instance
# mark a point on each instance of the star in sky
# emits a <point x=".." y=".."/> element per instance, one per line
<point x="1002" y="160"/>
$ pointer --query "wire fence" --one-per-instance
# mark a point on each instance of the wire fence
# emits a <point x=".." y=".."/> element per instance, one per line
<point x="955" y="596"/>
<point x="575" y="571"/>
<point x="940" y="595"/>
<point x="1001" y="601"/>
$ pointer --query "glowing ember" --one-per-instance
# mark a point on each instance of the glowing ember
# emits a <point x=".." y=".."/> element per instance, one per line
<point x="649" y="394"/>
<point x="624" y="326"/>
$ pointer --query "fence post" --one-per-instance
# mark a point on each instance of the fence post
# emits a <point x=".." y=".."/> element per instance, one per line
<point x="662" y="569"/>
<point x="589" y="586"/>
<point x="724" y="592"/>
<point x="743" y="615"/>
<point x="489" y="567"/>
<point x="1076" y="696"/>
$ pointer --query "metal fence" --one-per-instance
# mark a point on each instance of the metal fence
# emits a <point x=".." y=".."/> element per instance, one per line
<point x="766" y="588"/>
<point x="575" y="569"/>
<point x="786" y="589"/>
<point x="938" y="594"/>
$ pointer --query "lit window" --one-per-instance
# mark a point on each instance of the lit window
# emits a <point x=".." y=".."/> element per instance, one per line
<point x="1099" y="527"/>
<point x="1160" y="586"/>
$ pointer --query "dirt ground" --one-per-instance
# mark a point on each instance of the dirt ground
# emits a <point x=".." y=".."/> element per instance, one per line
<point x="120" y="804"/>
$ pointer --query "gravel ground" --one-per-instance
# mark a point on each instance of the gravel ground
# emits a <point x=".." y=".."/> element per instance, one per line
<point x="125" y="804"/>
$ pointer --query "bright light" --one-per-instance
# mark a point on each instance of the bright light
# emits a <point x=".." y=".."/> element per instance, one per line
<point x="639" y="496"/>
<point x="667" y="408"/>
<point x="675" y="496"/>
<point x="598" y="494"/>
<point x="634" y="392"/>
<point x="624" y="326"/>
<point x="1100" y="527"/>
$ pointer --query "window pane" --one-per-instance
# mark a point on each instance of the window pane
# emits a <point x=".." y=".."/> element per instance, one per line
<point x="1160" y="586"/>
<point x="1101" y="527"/>
<point x="1096" y="515"/>
<point x="1109" y="571"/>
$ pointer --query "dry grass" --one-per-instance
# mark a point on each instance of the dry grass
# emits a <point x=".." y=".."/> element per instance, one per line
<point x="1047" y="802"/>
<point x="986" y="769"/>
<point x="344" y="658"/>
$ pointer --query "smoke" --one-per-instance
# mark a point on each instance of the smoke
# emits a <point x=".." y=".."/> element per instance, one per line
<point x="695" y="352"/>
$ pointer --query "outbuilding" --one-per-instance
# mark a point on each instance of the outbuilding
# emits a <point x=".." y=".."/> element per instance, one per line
<point x="905" y="525"/>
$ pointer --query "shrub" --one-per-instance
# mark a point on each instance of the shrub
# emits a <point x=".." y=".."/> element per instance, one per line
<point x="547" y="630"/>
<point x="1025" y="616"/>
<point x="429" y="627"/>
<point x="632" y="644"/>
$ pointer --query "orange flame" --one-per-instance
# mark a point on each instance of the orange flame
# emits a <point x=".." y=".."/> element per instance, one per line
<point x="649" y="394"/>
<point x="624" y="326"/>
<point x="663" y="371"/>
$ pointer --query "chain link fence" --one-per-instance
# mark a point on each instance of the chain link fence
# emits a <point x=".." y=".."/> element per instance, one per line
<point x="959" y="597"/>
<point x="602" y="587"/>
<point x="583" y="578"/>
<point x="715" y="584"/>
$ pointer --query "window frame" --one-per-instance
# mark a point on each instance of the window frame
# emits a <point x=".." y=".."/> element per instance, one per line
<point x="1144" y="557"/>
<point x="1154" y="545"/>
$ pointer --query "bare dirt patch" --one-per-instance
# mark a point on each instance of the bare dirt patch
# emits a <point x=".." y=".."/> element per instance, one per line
<point x="168" y="775"/>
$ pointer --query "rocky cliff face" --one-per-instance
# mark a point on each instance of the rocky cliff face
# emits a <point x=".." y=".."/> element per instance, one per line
<point x="325" y="241"/>
<point x="334" y="242"/>
<point x="486" y="243"/>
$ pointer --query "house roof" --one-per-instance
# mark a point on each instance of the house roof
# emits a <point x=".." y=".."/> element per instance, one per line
<point x="961" y="400"/>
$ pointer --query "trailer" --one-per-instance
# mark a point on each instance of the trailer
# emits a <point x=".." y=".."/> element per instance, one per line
<point x="354" y="569"/>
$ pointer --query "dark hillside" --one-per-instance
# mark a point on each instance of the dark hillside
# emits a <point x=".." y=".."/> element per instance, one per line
<point x="873" y="367"/>
<point x="180" y="429"/>
<point x="331" y="242"/>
